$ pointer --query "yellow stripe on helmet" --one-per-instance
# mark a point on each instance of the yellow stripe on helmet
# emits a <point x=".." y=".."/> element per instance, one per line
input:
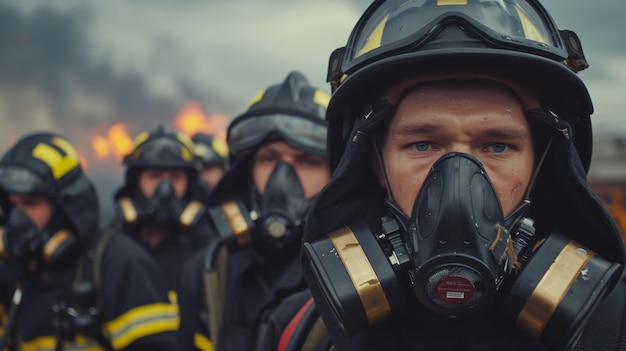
<point x="321" y="98"/>
<point x="451" y="2"/>
<point x="59" y="164"/>
<point x="374" y="39"/>
<point x="531" y="31"/>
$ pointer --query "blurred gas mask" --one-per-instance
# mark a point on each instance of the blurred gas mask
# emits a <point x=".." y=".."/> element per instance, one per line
<point x="162" y="209"/>
<point x="22" y="242"/>
<point x="273" y="223"/>
<point x="453" y="257"/>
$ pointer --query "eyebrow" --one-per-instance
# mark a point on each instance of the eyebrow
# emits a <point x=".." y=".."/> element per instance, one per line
<point x="510" y="133"/>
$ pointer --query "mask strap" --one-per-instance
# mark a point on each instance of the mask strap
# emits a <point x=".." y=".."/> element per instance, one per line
<point x="531" y="184"/>
<point x="382" y="167"/>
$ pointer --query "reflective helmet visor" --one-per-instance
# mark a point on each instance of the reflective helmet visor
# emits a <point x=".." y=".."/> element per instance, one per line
<point x="15" y="179"/>
<point x="304" y="134"/>
<point x="392" y="27"/>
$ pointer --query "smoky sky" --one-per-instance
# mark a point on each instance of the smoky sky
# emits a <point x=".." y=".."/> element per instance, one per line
<point x="76" y="67"/>
<point x="47" y="51"/>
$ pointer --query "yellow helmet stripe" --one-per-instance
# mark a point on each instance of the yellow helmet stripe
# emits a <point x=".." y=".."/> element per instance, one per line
<point x="59" y="164"/>
<point x="374" y="39"/>
<point x="451" y="2"/>
<point x="321" y="98"/>
<point x="257" y="98"/>
<point x="530" y="29"/>
<point x="220" y="148"/>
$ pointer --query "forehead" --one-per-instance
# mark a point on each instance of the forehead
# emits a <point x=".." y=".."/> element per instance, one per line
<point x="465" y="93"/>
<point x="459" y="79"/>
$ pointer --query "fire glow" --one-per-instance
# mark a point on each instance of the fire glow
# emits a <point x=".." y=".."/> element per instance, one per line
<point x="117" y="143"/>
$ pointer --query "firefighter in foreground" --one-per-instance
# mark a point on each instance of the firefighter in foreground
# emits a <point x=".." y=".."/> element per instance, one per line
<point x="458" y="216"/>
<point x="213" y="153"/>
<point x="279" y="164"/>
<point x="80" y="289"/>
<point x="162" y="203"/>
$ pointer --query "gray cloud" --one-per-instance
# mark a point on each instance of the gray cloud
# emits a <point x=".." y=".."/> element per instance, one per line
<point x="77" y="67"/>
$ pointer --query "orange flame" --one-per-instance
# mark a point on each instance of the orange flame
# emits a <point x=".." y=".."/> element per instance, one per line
<point x="101" y="146"/>
<point x="191" y="120"/>
<point x="119" y="140"/>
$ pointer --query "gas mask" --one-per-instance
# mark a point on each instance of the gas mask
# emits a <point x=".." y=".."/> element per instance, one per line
<point x="162" y="208"/>
<point x="454" y="256"/>
<point x="22" y="241"/>
<point x="275" y="217"/>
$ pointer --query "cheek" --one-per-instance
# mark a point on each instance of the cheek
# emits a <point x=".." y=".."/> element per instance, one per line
<point x="260" y="176"/>
<point x="511" y="186"/>
<point x="405" y="179"/>
<point x="180" y="186"/>
<point x="212" y="176"/>
<point x="147" y="186"/>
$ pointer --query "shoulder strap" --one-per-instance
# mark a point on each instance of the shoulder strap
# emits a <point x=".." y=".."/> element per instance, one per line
<point x="87" y="288"/>
<point x="306" y="331"/>
<point x="214" y="278"/>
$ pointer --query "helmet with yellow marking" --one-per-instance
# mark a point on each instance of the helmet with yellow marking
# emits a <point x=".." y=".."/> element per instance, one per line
<point x="162" y="148"/>
<point x="212" y="151"/>
<point x="47" y="164"/>
<point x="292" y="111"/>
<point x="397" y="40"/>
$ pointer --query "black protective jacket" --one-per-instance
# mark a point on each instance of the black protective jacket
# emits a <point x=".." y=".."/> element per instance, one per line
<point x="136" y="312"/>
<point x="172" y="253"/>
<point x="252" y="286"/>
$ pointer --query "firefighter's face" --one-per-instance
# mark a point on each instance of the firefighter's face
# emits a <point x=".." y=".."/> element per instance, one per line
<point x="485" y="121"/>
<point x="150" y="178"/>
<point x="212" y="174"/>
<point x="312" y="170"/>
<point x="36" y="206"/>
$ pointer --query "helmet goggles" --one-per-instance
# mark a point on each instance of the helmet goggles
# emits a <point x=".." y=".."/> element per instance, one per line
<point x="301" y="132"/>
<point x="21" y="180"/>
<point x="393" y="27"/>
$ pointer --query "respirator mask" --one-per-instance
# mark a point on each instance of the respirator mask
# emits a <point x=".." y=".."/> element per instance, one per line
<point x="456" y="255"/>
<point x="163" y="208"/>
<point x="272" y="222"/>
<point x="22" y="242"/>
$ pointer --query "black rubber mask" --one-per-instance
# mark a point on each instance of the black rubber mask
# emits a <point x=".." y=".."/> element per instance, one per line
<point x="163" y="204"/>
<point x="282" y="207"/>
<point x="456" y="238"/>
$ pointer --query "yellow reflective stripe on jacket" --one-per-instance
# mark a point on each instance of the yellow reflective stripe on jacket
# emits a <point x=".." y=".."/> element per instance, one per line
<point x="142" y="321"/>
<point x="48" y="343"/>
<point x="201" y="342"/>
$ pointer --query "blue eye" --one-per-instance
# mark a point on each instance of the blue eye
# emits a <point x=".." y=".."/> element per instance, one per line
<point x="497" y="147"/>
<point x="421" y="146"/>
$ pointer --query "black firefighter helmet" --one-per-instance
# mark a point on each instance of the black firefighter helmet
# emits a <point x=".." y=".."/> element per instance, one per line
<point x="211" y="151"/>
<point x="293" y="111"/>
